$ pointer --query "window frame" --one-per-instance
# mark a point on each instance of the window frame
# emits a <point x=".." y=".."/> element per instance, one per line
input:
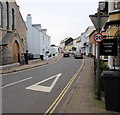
<point x="7" y="15"/>
<point x="13" y="19"/>
<point x="1" y="14"/>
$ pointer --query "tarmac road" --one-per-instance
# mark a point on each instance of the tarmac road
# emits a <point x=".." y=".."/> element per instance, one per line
<point x="35" y="90"/>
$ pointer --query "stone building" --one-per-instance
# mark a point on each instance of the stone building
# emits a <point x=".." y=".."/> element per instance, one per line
<point x="13" y="32"/>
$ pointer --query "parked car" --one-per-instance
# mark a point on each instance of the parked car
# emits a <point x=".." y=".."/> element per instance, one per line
<point x="78" y="55"/>
<point x="70" y="52"/>
<point x="31" y="56"/>
<point x="66" y="54"/>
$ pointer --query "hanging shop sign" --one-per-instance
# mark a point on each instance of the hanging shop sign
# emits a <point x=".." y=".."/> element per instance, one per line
<point x="108" y="47"/>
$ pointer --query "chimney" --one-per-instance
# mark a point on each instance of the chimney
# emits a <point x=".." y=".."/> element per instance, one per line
<point x="29" y="19"/>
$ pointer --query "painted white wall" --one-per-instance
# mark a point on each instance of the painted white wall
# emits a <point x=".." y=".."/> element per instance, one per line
<point x="62" y="45"/>
<point x="77" y="45"/>
<point x="54" y="50"/>
<point x="89" y="30"/>
<point x="93" y="49"/>
<point x="38" y="41"/>
<point x="110" y="62"/>
<point x="83" y="40"/>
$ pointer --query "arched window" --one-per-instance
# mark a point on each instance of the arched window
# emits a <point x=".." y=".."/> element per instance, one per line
<point x="0" y="14"/>
<point x="13" y="19"/>
<point x="7" y="15"/>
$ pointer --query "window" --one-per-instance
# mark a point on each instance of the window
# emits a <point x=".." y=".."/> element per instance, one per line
<point x="43" y="39"/>
<point x="43" y="51"/>
<point x="0" y="14"/>
<point x="13" y="19"/>
<point x="7" y="15"/>
<point x="105" y="57"/>
<point x="117" y="4"/>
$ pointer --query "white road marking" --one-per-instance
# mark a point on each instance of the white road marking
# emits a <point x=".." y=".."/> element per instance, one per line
<point x="37" y="87"/>
<point x="15" y="82"/>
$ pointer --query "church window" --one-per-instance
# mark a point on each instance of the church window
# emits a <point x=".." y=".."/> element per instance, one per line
<point x="0" y="14"/>
<point x="7" y="15"/>
<point x="13" y="19"/>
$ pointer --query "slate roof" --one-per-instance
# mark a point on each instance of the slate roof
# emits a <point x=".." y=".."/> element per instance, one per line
<point x="6" y="37"/>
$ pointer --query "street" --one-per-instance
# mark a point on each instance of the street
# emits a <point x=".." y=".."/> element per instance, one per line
<point x="35" y="90"/>
<point x="59" y="57"/>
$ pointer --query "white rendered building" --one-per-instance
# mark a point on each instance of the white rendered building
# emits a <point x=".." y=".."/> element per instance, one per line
<point x="37" y="39"/>
<point x="77" y="44"/>
<point x="89" y="46"/>
<point x="54" y="50"/>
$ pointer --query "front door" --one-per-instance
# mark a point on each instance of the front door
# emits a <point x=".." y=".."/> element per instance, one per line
<point x="15" y="51"/>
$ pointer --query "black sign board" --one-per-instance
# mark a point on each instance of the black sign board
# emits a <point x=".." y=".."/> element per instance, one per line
<point x="108" y="47"/>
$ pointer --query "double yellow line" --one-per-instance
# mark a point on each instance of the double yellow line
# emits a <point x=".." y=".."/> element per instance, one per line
<point x="61" y="95"/>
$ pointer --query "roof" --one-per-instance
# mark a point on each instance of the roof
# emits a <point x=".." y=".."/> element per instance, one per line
<point x="36" y="25"/>
<point x="115" y="12"/>
<point x="6" y="37"/>
<point x="112" y="22"/>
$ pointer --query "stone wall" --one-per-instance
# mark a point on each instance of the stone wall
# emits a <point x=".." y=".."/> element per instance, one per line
<point x="18" y="33"/>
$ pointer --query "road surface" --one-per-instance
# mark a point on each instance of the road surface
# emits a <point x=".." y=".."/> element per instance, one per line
<point x="36" y="89"/>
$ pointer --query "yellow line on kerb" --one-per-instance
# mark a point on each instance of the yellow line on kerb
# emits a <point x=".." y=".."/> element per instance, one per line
<point x="61" y="95"/>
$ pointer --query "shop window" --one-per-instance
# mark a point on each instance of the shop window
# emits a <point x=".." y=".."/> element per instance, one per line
<point x="0" y="14"/>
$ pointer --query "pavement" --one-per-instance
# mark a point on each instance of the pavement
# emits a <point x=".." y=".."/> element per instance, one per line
<point x="81" y="99"/>
<point x="30" y="65"/>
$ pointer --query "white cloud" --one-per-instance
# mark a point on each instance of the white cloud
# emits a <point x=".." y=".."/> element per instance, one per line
<point x="61" y="18"/>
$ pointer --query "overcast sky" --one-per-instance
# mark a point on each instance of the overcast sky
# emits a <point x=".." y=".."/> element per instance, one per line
<point x="61" y="18"/>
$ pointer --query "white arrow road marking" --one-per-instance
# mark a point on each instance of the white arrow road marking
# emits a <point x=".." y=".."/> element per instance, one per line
<point x="16" y="82"/>
<point x="37" y="87"/>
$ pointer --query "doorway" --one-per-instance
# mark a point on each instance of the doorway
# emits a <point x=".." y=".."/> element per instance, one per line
<point x="15" y="51"/>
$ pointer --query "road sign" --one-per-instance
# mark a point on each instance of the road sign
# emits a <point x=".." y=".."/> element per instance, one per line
<point x="103" y="19"/>
<point x="98" y="37"/>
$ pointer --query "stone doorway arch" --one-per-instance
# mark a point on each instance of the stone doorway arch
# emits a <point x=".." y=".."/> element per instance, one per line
<point x="15" y="51"/>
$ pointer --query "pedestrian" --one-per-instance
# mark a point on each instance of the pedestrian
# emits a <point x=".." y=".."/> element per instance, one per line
<point x="26" y="56"/>
<point x="19" y="58"/>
